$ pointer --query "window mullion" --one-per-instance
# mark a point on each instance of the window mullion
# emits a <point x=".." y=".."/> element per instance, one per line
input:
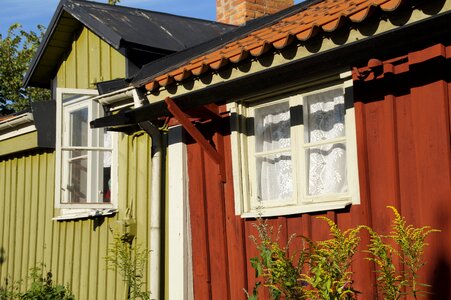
<point x="325" y="142"/>
<point x="270" y="152"/>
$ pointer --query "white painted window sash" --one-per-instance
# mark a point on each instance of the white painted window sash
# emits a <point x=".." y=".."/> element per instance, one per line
<point x="82" y="98"/>
<point x="244" y="169"/>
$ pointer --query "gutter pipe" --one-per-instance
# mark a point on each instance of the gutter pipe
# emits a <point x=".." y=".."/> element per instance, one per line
<point x="16" y="121"/>
<point x="155" y="209"/>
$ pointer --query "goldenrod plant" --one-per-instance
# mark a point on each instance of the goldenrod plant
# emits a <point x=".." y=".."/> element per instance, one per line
<point x="130" y="259"/>
<point x="322" y="269"/>
<point x="276" y="267"/>
<point x="329" y="274"/>
<point x="409" y="242"/>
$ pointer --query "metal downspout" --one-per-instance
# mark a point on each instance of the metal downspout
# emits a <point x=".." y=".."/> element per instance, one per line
<point x="155" y="209"/>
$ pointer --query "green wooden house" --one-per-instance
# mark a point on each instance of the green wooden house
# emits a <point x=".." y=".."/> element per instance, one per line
<point x="63" y="187"/>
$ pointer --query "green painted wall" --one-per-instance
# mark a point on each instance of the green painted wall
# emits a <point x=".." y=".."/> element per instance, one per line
<point x="90" y="60"/>
<point x="72" y="250"/>
<point x="20" y="143"/>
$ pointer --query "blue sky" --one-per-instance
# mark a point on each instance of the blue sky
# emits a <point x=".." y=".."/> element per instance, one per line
<point x="30" y="13"/>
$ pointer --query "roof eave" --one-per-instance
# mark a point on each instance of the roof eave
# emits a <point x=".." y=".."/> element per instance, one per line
<point x="108" y="35"/>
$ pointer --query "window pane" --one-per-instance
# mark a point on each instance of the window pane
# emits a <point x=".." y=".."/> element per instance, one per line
<point x="324" y="116"/>
<point x="274" y="177"/>
<point x="79" y="127"/>
<point x="272" y="127"/>
<point x="105" y="156"/>
<point x="78" y="177"/>
<point x="327" y="169"/>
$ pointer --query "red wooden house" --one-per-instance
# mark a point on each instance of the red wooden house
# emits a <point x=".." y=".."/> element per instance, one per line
<point x="330" y="107"/>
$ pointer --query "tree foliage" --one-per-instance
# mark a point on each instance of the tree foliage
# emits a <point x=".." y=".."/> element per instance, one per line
<point x="17" y="49"/>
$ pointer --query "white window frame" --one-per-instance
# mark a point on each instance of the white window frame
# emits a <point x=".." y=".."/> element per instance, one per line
<point x="95" y="110"/>
<point x="244" y="174"/>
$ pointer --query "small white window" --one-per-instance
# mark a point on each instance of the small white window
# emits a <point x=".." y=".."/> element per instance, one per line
<point x="296" y="153"/>
<point x="85" y="157"/>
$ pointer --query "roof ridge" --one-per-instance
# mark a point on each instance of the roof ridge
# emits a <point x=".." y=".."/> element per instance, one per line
<point x="134" y="9"/>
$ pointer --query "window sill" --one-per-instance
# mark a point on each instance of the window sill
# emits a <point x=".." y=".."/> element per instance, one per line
<point x="291" y="210"/>
<point x="75" y="214"/>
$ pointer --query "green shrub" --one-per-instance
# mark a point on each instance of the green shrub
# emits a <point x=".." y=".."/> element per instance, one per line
<point x="41" y="288"/>
<point x="322" y="269"/>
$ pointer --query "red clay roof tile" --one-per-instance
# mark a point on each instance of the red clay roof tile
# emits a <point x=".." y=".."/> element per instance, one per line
<point x="327" y="15"/>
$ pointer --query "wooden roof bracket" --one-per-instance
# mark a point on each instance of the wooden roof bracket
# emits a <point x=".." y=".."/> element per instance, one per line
<point x="197" y="135"/>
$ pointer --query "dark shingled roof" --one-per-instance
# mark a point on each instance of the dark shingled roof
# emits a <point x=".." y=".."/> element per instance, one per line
<point x="126" y="29"/>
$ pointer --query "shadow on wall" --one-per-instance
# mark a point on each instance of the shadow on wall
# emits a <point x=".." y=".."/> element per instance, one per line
<point x="441" y="288"/>
<point x="440" y="284"/>
<point x="2" y="255"/>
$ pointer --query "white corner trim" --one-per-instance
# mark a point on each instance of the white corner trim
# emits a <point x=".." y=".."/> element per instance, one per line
<point x="74" y="214"/>
<point x="178" y="236"/>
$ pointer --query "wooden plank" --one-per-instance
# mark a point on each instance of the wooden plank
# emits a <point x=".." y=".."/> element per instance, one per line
<point x="216" y="229"/>
<point x="27" y="249"/>
<point x="85" y="276"/>
<point x="33" y="255"/>
<point x="5" y="189"/>
<point x="23" y="142"/>
<point x="18" y="216"/>
<point x="70" y="75"/>
<point x="380" y="161"/>
<point x="48" y="198"/>
<point x="117" y="64"/>
<point x="105" y="61"/>
<point x="192" y="130"/>
<point x="82" y="60"/>
<point x="61" y="74"/>
<point x="94" y="268"/>
<point x="142" y="200"/>
<point x="236" y="239"/>
<point x="94" y="59"/>
<point x="361" y="214"/>
<point x="199" y="229"/>
<point x="431" y="132"/>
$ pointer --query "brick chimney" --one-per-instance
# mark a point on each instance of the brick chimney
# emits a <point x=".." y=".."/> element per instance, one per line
<point x="238" y="12"/>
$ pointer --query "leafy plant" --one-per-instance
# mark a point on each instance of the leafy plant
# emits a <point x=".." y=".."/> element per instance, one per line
<point x="10" y="290"/>
<point x="410" y="243"/>
<point x="330" y="261"/>
<point x="322" y="269"/>
<point x="17" y="49"/>
<point x="131" y="262"/>
<point x="41" y="288"/>
<point x="280" y="272"/>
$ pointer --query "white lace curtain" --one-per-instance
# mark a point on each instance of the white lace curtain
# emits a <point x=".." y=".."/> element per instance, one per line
<point x="324" y="146"/>
<point x="326" y="162"/>
<point x="274" y="169"/>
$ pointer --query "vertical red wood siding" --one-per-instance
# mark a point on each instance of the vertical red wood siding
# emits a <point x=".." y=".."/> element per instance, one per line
<point x="218" y="241"/>
<point x="403" y="134"/>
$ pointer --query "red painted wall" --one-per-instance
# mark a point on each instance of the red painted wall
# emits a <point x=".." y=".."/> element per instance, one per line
<point x="403" y="134"/>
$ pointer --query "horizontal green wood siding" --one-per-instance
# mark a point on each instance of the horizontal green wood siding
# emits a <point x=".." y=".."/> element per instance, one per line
<point x="20" y="143"/>
<point x="72" y="250"/>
